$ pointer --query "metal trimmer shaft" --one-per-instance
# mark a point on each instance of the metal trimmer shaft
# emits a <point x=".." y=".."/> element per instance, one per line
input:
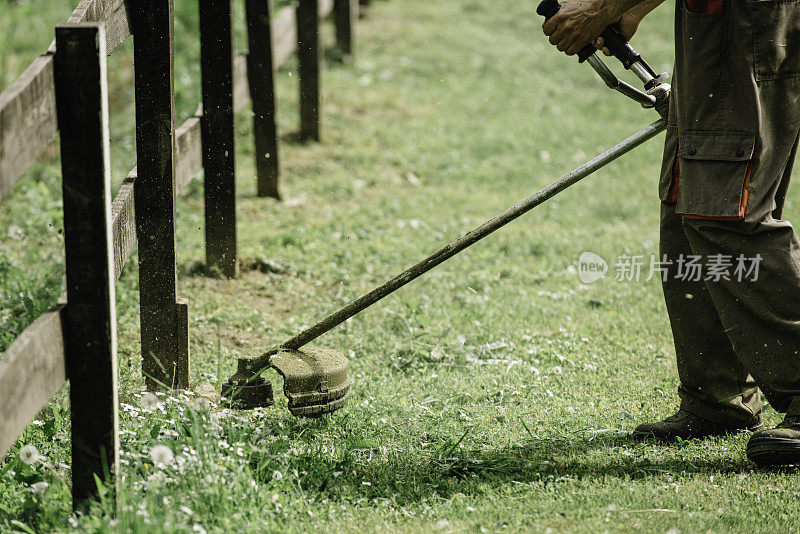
<point x="259" y="364"/>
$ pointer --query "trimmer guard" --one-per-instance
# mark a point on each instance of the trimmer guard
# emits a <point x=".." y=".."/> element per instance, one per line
<point x="315" y="380"/>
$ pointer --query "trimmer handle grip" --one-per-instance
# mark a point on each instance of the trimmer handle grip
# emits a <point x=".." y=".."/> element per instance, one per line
<point x="548" y="8"/>
<point x="617" y="44"/>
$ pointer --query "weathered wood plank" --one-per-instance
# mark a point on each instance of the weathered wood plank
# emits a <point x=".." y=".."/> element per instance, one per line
<point x="123" y="216"/>
<point x="32" y="370"/>
<point x="188" y="152"/>
<point x="241" y="92"/>
<point x="216" y="69"/>
<point x="325" y="8"/>
<point x="114" y="13"/>
<point x="308" y="59"/>
<point x="261" y="74"/>
<point x="284" y="34"/>
<point x="27" y="121"/>
<point x="154" y="192"/>
<point x="90" y="324"/>
<point x="27" y="107"/>
<point x="188" y="164"/>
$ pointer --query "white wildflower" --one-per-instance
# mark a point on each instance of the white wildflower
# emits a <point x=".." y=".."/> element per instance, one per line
<point x="277" y="475"/>
<point x="39" y="487"/>
<point x="16" y="232"/>
<point x="197" y="527"/>
<point x="150" y="401"/>
<point x="186" y="510"/>
<point x="202" y="405"/>
<point x="161" y="455"/>
<point x="29" y="454"/>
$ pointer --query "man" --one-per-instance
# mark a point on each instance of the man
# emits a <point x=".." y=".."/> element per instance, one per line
<point x="732" y="136"/>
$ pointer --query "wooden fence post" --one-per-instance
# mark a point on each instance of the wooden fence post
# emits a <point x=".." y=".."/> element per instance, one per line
<point x="90" y="334"/>
<point x="308" y="58"/>
<point x="163" y="352"/>
<point x="261" y="78"/>
<point x="345" y="14"/>
<point x="216" y="63"/>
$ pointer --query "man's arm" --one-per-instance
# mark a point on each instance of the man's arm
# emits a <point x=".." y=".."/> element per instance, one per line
<point x="580" y="22"/>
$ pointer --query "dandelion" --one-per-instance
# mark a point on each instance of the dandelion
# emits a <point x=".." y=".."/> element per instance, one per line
<point x="39" y="487"/>
<point x="150" y="401"/>
<point x="202" y="405"/>
<point x="16" y="232"/>
<point x="29" y="454"/>
<point x="161" y="455"/>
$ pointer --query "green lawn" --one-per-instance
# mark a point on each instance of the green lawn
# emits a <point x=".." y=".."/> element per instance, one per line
<point x="494" y="394"/>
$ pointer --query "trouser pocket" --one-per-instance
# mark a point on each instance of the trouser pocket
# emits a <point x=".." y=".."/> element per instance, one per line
<point x="667" y="184"/>
<point x="776" y="38"/>
<point x="699" y="53"/>
<point x="714" y="170"/>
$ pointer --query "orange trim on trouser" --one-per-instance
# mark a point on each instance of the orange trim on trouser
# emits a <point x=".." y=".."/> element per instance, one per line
<point x="704" y="7"/>
<point x="672" y="194"/>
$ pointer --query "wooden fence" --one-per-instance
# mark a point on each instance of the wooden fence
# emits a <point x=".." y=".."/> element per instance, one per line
<point x="65" y="92"/>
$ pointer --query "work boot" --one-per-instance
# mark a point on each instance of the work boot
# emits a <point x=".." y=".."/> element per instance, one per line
<point x="779" y="445"/>
<point x="685" y="425"/>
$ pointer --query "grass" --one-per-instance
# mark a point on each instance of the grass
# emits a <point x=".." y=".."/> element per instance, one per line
<point x="494" y="394"/>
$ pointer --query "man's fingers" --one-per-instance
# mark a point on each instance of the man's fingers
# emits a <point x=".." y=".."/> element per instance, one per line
<point x="549" y="26"/>
<point x="573" y="49"/>
<point x="557" y="36"/>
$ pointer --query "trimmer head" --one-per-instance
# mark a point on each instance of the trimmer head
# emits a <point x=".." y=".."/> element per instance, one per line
<point x="315" y="380"/>
<point x="245" y="391"/>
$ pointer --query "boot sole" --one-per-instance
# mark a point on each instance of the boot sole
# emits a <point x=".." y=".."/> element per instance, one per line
<point x="774" y="451"/>
<point x="670" y="438"/>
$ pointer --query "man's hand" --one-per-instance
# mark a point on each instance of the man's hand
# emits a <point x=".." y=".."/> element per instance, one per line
<point x="579" y="22"/>
<point x="626" y="26"/>
<point x="629" y="23"/>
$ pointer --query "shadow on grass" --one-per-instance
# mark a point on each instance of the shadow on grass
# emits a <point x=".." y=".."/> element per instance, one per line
<point x="413" y="476"/>
<point x="584" y="459"/>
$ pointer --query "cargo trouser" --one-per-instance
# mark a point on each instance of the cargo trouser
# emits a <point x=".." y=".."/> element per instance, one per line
<point x="731" y="141"/>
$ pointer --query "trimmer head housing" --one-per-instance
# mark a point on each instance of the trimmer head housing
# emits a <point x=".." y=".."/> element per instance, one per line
<point x="315" y="380"/>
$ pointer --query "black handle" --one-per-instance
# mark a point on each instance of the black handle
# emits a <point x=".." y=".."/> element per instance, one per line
<point x="617" y="44"/>
<point x="619" y="47"/>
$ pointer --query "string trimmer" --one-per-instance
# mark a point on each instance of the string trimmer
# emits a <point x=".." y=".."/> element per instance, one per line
<point x="316" y="380"/>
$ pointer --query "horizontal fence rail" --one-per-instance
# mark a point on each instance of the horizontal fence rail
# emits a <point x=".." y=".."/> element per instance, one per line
<point x="34" y="366"/>
<point x="28" y="108"/>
